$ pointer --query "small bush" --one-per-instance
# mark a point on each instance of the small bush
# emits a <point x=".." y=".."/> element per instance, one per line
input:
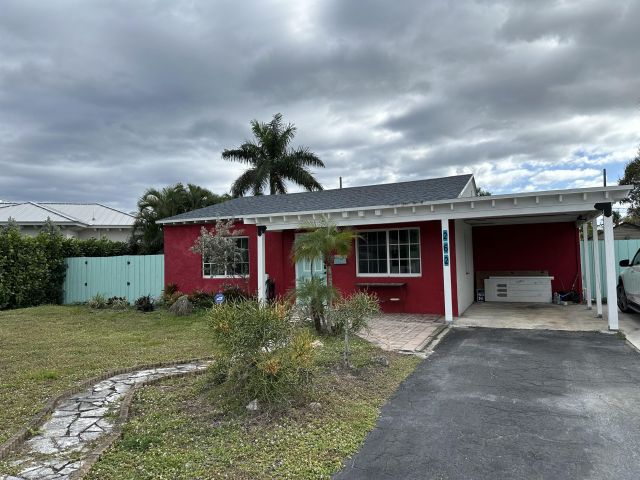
<point x="201" y="299"/>
<point x="171" y="299"/>
<point x="170" y="289"/>
<point x="182" y="306"/>
<point x="234" y="293"/>
<point x="265" y="354"/>
<point x="118" y="303"/>
<point x="98" y="301"/>
<point x="145" y="304"/>
<point x="353" y="311"/>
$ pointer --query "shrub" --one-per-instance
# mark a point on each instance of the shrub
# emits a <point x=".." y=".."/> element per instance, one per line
<point x="145" y="304"/>
<point x="171" y="299"/>
<point x="201" y="299"/>
<point x="118" y="303"/>
<point x="234" y="293"/>
<point x="182" y="306"/>
<point x="98" y="301"/>
<point x="349" y="316"/>
<point x="262" y="353"/>
<point x="170" y="289"/>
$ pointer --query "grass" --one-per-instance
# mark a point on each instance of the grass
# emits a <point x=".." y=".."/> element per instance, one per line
<point x="179" y="430"/>
<point x="45" y="350"/>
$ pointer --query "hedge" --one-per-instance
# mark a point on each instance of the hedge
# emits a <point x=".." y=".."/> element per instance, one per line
<point x="32" y="269"/>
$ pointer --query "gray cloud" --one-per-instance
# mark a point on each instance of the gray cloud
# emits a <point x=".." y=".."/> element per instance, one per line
<point x="99" y="100"/>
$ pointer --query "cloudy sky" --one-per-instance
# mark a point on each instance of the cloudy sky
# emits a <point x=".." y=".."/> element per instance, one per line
<point x="101" y="99"/>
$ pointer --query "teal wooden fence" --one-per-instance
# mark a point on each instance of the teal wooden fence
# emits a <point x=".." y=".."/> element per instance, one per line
<point x="129" y="276"/>
<point x="624" y="249"/>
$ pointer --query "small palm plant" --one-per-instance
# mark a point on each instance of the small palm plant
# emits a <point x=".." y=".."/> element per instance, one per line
<point x="323" y="240"/>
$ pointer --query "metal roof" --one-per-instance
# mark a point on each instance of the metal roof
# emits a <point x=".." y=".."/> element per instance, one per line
<point x="87" y="214"/>
<point x="400" y="193"/>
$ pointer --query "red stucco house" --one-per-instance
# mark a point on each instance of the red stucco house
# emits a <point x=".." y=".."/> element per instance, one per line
<point x="424" y="246"/>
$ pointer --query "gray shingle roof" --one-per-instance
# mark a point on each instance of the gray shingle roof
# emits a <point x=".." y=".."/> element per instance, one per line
<point x="353" y="197"/>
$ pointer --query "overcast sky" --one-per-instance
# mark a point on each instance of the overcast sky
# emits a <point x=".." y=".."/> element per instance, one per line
<point x="102" y="99"/>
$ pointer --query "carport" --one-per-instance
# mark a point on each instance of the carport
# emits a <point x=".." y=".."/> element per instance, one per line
<point x="529" y="233"/>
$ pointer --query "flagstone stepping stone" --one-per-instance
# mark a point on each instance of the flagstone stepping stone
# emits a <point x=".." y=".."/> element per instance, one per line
<point x="56" y="452"/>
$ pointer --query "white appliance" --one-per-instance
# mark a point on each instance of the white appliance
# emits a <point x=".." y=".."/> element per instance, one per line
<point x="518" y="289"/>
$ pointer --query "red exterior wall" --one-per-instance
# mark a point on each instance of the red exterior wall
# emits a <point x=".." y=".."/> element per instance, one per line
<point x="547" y="246"/>
<point x="422" y="294"/>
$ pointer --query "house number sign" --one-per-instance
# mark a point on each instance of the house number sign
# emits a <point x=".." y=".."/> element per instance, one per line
<point x="445" y="247"/>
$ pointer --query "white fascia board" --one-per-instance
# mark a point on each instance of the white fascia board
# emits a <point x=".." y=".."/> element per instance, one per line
<point x="593" y="194"/>
<point x="503" y="206"/>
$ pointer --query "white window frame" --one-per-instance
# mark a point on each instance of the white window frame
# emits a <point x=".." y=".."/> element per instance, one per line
<point x="388" y="274"/>
<point x="227" y="275"/>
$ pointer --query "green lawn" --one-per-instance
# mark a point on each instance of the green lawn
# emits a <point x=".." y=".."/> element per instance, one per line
<point x="179" y="430"/>
<point x="45" y="350"/>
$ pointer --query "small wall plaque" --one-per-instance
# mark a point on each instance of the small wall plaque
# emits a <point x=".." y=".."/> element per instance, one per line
<point x="339" y="260"/>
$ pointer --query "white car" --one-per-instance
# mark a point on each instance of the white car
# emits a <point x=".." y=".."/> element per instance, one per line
<point x="629" y="285"/>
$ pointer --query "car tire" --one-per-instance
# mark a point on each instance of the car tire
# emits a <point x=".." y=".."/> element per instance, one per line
<point x="623" y="303"/>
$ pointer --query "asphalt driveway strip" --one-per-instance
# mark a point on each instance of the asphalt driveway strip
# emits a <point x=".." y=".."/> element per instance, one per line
<point x="511" y="404"/>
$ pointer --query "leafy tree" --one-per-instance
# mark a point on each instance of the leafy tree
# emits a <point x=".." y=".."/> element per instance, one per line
<point x="323" y="240"/>
<point x="219" y="247"/>
<point x="632" y="177"/>
<point x="481" y="192"/>
<point x="157" y="204"/>
<point x="272" y="162"/>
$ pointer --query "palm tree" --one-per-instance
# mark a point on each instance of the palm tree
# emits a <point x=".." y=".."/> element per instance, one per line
<point x="323" y="240"/>
<point x="272" y="162"/>
<point x="157" y="204"/>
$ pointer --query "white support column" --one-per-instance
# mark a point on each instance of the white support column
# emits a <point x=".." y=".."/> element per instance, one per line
<point x="446" y="271"/>
<point x="596" y="266"/>
<point x="610" y="264"/>
<point x="262" y="293"/>
<point x="587" y="263"/>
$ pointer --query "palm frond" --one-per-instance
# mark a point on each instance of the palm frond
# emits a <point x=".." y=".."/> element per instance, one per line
<point x="248" y="153"/>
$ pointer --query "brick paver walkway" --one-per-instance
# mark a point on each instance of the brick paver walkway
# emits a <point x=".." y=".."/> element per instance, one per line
<point x="402" y="331"/>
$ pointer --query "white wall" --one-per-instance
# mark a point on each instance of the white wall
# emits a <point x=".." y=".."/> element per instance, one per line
<point x="464" y="265"/>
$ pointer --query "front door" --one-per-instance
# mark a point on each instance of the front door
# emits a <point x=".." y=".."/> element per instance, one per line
<point x="306" y="269"/>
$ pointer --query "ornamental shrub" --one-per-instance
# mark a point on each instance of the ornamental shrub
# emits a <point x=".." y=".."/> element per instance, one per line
<point x="261" y="352"/>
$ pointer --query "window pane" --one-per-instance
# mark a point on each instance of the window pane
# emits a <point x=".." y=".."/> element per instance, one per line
<point x="393" y="251"/>
<point x="404" y="236"/>
<point x="206" y="269"/>
<point x="404" y="266"/>
<point x="404" y="251"/>
<point x="414" y="251"/>
<point x="372" y="252"/>
<point x="395" y="266"/>
<point x="393" y="236"/>
<point x="413" y="235"/>
<point x="415" y="266"/>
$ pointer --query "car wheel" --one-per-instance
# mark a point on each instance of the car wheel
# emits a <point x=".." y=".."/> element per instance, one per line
<point x="623" y="303"/>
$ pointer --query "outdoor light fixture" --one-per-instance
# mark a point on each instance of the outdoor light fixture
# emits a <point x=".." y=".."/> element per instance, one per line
<point x="605" y="207"/>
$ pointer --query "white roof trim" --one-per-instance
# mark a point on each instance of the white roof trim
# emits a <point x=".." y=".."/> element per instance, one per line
<point x="613" y="193"/>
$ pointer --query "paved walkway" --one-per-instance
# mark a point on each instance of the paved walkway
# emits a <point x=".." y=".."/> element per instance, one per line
<point x="77" y="423"/>
<point x="401" y="331"/>
<point x="499" y="403"/>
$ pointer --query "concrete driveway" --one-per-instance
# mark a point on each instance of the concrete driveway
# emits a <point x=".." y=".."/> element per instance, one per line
<point x="499" y="403"/>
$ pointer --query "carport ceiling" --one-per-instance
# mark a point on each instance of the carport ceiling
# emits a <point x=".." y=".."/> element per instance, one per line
<point x="579" y="217"/>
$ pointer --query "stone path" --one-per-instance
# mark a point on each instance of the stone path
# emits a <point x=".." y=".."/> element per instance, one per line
<point x="401" y="331"/>
<point x="64" y="441"/>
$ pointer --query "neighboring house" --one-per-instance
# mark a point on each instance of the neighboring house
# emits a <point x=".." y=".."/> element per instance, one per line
<point x="421" y="245"/>
<point x="625" y="231"/>
<point x="78" y="220"/>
